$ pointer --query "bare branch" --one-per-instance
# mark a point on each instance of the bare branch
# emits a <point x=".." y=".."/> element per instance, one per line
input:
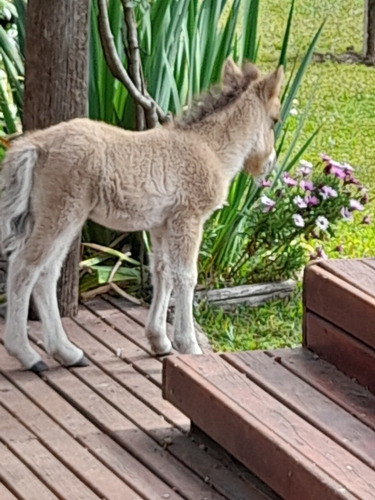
<point x="134" y="60"/>
<point x="119" y="72"/>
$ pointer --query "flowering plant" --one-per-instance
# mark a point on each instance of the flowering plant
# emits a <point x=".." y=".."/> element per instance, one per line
<point x="295" y="215"/>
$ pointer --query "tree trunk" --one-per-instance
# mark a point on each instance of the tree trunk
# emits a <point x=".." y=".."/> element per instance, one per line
<point x="56" y="89"/>
<point x="369" y="31"/>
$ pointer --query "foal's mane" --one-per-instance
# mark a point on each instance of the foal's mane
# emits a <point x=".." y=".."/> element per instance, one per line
<point x="212" y="101"/>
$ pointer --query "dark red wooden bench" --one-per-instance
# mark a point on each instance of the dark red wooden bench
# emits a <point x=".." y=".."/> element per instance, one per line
<point x="302" y="420"/>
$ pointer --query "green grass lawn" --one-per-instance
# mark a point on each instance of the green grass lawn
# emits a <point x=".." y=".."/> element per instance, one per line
<point x="344" y="106"/>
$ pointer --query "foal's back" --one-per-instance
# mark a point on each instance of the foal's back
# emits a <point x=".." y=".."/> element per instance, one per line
<point x="126" y="180"/>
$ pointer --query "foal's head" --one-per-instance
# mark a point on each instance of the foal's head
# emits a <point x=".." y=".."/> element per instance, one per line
<point x="260" y="110"/>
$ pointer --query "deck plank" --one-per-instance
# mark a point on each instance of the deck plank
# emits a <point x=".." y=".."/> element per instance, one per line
<point x="133" y="337"/>
<point x="150" y="461"/>
<point x="136" y="313"/>
<point x="328" y="380"/>
<point x="5" y="494"/>
<point x="308" y="403"/>
<point x="121" y="322"/>
<point x="101" y="480"/>
<point x="342" y="350"/>
<point x="127" y="364"/>
<point x="41" y="461"/>
<point x="19" y="478"/>
<point x="286" y="452"/>
<point x="355" y="272"/>
<point x="340" y="303"/>
<point x="370" y="262"/>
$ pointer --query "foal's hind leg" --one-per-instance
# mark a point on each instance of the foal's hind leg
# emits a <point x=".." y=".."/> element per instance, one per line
<point x="20" y="281"/>
<point x="55" y="339"/>
<point x="162" y="287"/>
<point x="184" y="237"/>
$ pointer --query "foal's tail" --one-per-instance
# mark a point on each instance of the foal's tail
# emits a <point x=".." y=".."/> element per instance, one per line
<point x="16" y="179"/>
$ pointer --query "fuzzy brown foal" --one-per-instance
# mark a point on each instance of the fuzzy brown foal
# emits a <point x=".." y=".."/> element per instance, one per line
<point x="167" y="180"/>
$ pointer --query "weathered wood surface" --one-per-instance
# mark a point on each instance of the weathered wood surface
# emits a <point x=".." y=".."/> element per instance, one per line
<point x="302" y="441"/>
<point x="345" y="352"/>
<point x="252" y="295"/>
<point x="339" y="318"/>
<point x="104" y="431"/>
<point x="340" y="302"/>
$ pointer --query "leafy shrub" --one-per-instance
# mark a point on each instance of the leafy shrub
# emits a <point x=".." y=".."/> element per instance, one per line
<point x="293" y="218"/>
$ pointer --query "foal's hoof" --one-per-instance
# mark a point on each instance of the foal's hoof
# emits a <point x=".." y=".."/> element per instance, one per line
<point x="38" y="367"/>
<point x="188" y="349"/>
<point x="162" y="354"/>
<point x="81" y="362"/>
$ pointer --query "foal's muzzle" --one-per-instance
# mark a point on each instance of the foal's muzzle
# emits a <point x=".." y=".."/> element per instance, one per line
<point x="267" y="167"/>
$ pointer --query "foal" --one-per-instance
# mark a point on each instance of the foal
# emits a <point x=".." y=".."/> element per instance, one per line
<point x="167" y="180"/>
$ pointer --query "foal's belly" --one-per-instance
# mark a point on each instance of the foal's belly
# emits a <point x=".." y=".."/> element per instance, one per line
<point x="129" y="221"/>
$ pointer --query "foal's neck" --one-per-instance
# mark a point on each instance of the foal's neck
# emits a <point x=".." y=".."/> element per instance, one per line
<point x="230" y="134"/>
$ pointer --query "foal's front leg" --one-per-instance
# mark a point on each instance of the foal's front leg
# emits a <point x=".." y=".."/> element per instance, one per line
<point x="184" y="238"/>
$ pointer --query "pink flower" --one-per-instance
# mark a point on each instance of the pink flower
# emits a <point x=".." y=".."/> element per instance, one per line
<point x="347" y="167"/>
<point x="327" y="192"/>
<point x="349" y="179"/>
<point x="265" y="183"/>
<point x="288" y="180"/>
<point x="335" y="163"/>
<point x="320" y="253"/>
<point x="300" y="202"/>
<point x="325" y="157"/>
<point x="298" y="220"/>
<point x="346" y="215"/>
<point x="305" y="168"/>
<point x="364" y="199"/>
<point x="355" y="205"/>
<point x="307" y="185"/>
<point x="336" y="171"/>
<point x="366" y="220"/>
<point x="304" y="171"/>
<point x="267" y="202"/>
<point x="311" y="201"/>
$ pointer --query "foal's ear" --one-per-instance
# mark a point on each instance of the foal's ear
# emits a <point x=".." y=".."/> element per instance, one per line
<point x="250" y="72"/>
<point x="270" y="86"/>
<point x="231" y="74"/>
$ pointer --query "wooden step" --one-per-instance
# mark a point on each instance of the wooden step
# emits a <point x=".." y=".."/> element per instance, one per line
<point x="304" y="434"/>
<point x="339" y="315"/>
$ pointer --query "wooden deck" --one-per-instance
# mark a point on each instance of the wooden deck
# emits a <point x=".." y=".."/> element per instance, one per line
<point x="104" y="431"/>
<point x="302" y="420"/>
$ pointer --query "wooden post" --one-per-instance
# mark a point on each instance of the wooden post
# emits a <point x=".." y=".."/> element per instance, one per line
<point x="56" y="89"/>
<point x="369" y="31"/>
